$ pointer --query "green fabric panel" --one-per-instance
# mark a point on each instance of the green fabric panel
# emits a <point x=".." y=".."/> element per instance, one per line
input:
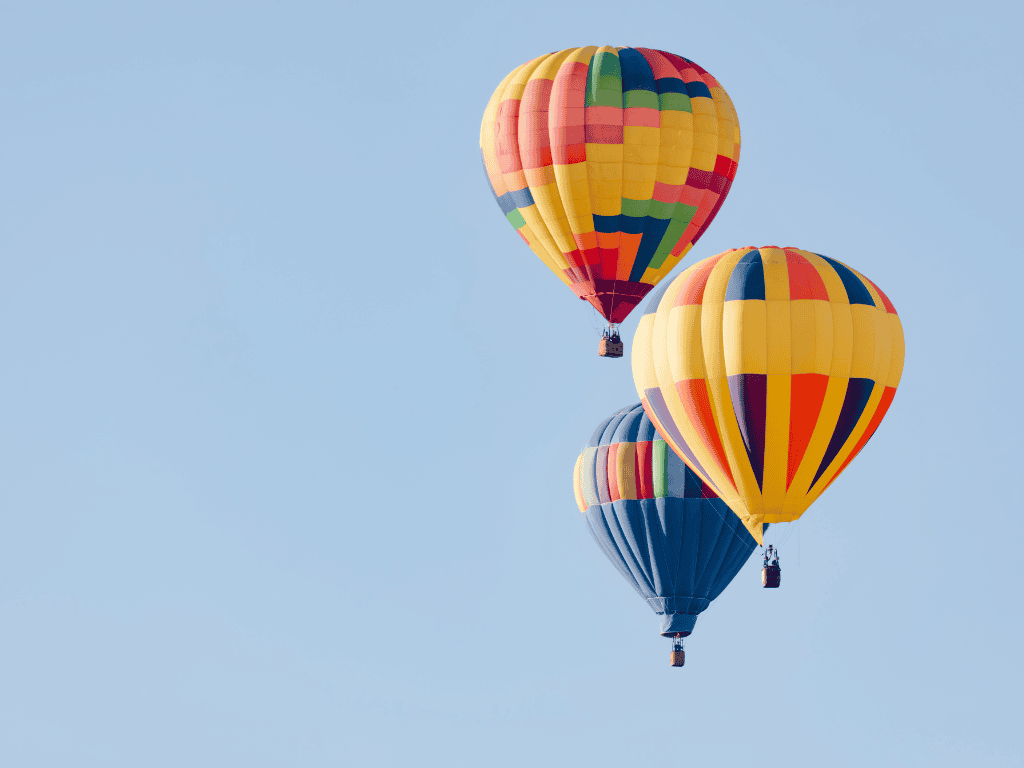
<point x="660" y="210"/>
<point x="675" y="102"/>
<point x="604" y="81"/>
<point x="680" y="221"/>
<point x="647" y="99"/>
<point x="658" y="469"/>
<point x="515" y="218"/>
<point x="635" y="208"/>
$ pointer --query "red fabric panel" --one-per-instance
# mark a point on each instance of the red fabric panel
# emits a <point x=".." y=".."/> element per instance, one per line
<point x="692" y="291"/>
<point x="697" y="404"/>
<point x="806" y="394"/>
<point x="804" y="280"/>
<point x="566" y="116"/>
<point x="507" y="136"/>
<point x="645" y="469"/>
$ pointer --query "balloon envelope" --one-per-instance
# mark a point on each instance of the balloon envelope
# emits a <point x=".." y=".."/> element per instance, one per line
<point x="610" y="163"/>
<point x="672" y="539"/>
<point x="767" y="370"/>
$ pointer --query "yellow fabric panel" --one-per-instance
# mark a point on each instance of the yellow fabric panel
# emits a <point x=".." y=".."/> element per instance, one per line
<point x="842" y="339"/>
<point x="676" y="146"/>
<point x="577" y="486"/>
<point x="811" y="336"/>
<point x="555" y="263"/>
<point x="803" y="325"/>
<point x="883" y="346"/>
<point x="539" y="177"/>
<point x="644" y="376"/>
<point x="776" y="274"/>
<point x="549" y="207"/>
<point x="745" y="337"/>
<point x="684" y="335"/>
<point x="705" y="139"/>
<point x="625" y="470"/>
<point x="776" y="451"/>
<point x="780" y="337"/>
<point x="898" y="352"/>
<point x="575" y="194"/>
<point x="606" y="154"/>
<point x="862" y="359"/>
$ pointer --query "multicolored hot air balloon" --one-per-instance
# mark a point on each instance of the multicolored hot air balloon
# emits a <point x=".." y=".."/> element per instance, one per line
<point x="610" y="163"/>
<point x="767" y="370"/>
<point x="672" y="539"/>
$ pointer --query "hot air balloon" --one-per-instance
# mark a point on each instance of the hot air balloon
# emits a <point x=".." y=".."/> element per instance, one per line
<point x="672" y="539"/>
<point x="610" y="163"/>
<point x="767" y="370"/>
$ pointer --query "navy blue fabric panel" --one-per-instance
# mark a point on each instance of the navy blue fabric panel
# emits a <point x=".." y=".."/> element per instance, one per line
<point x="595" y="439"/>
<point x="606" y="223"/>
<point x="661" y="574"/>
<point x="750" y="405"/>
<point x="670" y="518"/>
<point x="621" y="526"/>
<point x="665" y="85"/>
<point x="713" y="544"/>
<point x="631" y="225"/>
<point x="634" y="531"/>
<point x="689" y="549"/>
<point x="519" y="198"/>
<point x="629" y="426"/>
<point x="698" y="88"/>
<point x="858" y="392"/>
<point x="856" y="291"/>
<point x="694" y="485"/>
<point x="598" y="526"/>
<point x="655" y="296"/>
<point x="654" y="230"/>
<point x="677" y="478"/>
<point x="747" y="278"/>
<point x="636" y="72"/>
<point x="612" y="425"/>
<point x="647" y="431"/>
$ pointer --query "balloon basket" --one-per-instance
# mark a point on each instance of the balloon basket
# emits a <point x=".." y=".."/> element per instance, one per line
<point x="611" y="343"/>
<point x="771" y="576"/>
<point x="678" y="656"/>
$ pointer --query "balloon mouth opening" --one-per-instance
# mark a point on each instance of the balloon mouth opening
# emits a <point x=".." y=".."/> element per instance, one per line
<point x="673" y="624"/>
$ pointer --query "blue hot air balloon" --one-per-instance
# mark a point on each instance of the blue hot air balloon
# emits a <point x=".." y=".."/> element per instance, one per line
<point x="666" y="531"/>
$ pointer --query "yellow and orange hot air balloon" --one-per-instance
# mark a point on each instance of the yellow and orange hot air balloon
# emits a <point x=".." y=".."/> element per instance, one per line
<point x="610" y="163"/>
<point x="767" y="370"/>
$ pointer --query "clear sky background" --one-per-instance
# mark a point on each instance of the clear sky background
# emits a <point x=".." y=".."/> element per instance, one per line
<point x="288" y="412"/>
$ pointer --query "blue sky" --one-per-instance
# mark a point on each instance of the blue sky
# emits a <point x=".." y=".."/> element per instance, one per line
<point x="288" y="412"/>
